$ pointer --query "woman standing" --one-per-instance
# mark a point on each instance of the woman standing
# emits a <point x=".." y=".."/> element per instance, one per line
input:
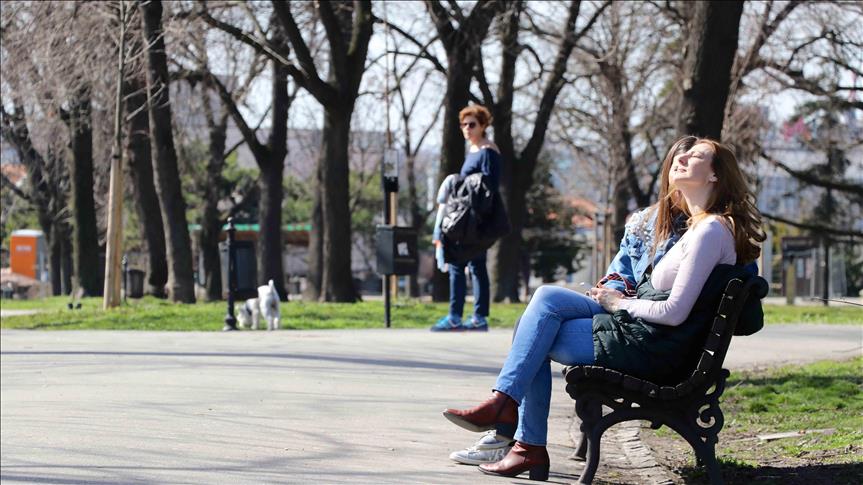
<point x="483" y="156"/>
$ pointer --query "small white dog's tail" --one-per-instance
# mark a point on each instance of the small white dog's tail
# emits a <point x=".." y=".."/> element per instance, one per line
<point x="273" y="289"/>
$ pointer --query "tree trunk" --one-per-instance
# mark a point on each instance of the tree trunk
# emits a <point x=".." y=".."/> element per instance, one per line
<point x="55" y="259"/>
<point x="146" y="201"/>
<point x="505" y="252"/>
<point x="710" y="50"/>
<point x="416" y="217"/>
<point x="337" y="282"/>
<point x="211" y="223"/>
<point x="316" y="243"/>
<point x="270" y="261"/>
<point x="620" y="211"/>
<point x="270" y="238"/>
<point x="208" y="242"/>
<point x="517" y="171"/>
<point x="86" y="231"/>
<point x="66" y="264"/>
<point x="509" y="248"/>
<point x="180" y="277"/>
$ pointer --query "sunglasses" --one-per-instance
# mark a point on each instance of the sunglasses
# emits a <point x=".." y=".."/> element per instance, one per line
<point x="469" y="124"/>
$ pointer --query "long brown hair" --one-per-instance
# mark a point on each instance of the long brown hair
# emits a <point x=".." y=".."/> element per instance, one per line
<point x="668" y="207"/>
<point x="732" y="200"/>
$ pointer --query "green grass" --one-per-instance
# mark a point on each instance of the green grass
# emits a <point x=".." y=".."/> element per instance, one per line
<point x="821" y="396"/>
<point x="824" y="395"/>
<point x="835" y="313"/>
<point x="154" y="314"/>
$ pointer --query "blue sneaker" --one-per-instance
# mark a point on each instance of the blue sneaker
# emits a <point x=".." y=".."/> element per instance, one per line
<point x="477" y="323"/>
<point x="448" y="323"/>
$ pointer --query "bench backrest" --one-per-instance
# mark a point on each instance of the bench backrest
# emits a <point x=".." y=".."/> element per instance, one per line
<point x="722" y="329"/>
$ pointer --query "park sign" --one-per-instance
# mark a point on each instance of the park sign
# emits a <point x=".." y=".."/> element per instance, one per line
<point x="792" y="245"/>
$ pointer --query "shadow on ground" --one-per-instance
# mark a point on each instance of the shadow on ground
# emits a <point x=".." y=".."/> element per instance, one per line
<point x="839" y="474"/>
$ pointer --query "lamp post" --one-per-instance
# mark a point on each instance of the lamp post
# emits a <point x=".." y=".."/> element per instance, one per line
<point x="125" y="265"/>
<point x="230" y="320"/>
<point x="390" y="182"/>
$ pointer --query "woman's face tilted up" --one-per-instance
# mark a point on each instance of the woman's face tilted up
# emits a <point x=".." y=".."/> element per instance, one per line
<point x="694" y="168"/>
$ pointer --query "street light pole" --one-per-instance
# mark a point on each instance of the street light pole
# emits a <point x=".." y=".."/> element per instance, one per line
<point x="230" y="320"/>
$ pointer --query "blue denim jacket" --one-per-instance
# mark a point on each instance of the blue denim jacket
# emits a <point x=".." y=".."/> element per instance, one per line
<point x="633" y="258"/>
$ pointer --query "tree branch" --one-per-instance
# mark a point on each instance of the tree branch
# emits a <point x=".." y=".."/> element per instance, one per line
<point x="257" y="149"/>
<point x="308" y="78"/>
<point x="811" y="179"/>
<point x="333" y="29"/>
<point x="261" y="46"/>
<point x="441" y="19"/>
<point x="818" y="228"/>
<point x="423" y="53"/>
<point x="358" y="48"/>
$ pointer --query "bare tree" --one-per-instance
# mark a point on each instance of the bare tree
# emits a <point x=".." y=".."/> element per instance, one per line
<point x="348" y="28"/>
<point x="219" y="99"/>
<point x="461" y="35"/>
<point x="410" y="85"/>
<point x="140" y="164"/>
<point x="47" y="190"/>
<point x="612" y="117"/>
<point x="167" y="177"/>
<point x="86" y="235"/>
<point x="269" y="156"/>
<point x="711" y="46"/>
<point x="519" y="166"/>
<point x="65" y="72"/>
<point x="809" y="49"/>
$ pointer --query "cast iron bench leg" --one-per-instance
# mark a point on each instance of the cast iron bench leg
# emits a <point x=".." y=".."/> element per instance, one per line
<point x="581" y="452"/>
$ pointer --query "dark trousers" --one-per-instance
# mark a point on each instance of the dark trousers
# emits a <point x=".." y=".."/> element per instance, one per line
<point x="458" y="286"/>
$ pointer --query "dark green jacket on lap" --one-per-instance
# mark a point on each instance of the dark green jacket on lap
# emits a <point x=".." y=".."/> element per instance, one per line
<point x="666" y="354"/>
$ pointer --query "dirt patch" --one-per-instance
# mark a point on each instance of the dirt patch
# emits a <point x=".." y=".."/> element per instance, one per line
<point x="676" y="456"/>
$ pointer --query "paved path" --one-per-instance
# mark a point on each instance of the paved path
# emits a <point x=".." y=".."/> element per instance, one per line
<point x="278" y="407"/>
<point x="15" y="313"/>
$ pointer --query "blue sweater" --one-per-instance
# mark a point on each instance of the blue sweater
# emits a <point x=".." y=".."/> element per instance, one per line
<point x="486" y="161"/>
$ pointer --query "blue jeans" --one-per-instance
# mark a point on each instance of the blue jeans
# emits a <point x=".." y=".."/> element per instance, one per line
<point x="556" y="325"/>
<point x="458" y="287"/>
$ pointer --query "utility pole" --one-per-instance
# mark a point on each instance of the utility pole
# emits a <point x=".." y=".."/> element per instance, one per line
<point x="114" y="248"/>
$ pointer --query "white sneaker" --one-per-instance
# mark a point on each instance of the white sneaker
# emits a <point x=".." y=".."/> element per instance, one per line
<point x="487" y="450"/>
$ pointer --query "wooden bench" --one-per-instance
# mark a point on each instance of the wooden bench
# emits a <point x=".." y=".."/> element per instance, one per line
<point x="691" y="408"/>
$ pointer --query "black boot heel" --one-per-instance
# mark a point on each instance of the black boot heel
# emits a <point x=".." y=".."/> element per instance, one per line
<point x="539" y="473"/>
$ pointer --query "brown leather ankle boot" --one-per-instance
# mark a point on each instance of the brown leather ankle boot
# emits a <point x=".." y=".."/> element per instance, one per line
<point x="521" y="458"/>
<point x="498" y="411"/>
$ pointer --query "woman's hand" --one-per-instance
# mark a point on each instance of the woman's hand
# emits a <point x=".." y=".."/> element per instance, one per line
<point x="606" y="297"/>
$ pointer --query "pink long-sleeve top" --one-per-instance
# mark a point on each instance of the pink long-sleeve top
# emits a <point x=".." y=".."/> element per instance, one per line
<point x="684" y="270"/>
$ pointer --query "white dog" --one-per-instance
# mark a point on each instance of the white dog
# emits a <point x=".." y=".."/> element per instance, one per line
<point x="266" y="305"/>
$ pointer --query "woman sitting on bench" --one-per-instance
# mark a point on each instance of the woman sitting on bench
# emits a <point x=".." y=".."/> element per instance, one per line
<point x="724" y="228"/>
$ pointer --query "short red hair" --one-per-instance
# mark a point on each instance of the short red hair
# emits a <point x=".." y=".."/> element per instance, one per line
<point x="478" y="111"/>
